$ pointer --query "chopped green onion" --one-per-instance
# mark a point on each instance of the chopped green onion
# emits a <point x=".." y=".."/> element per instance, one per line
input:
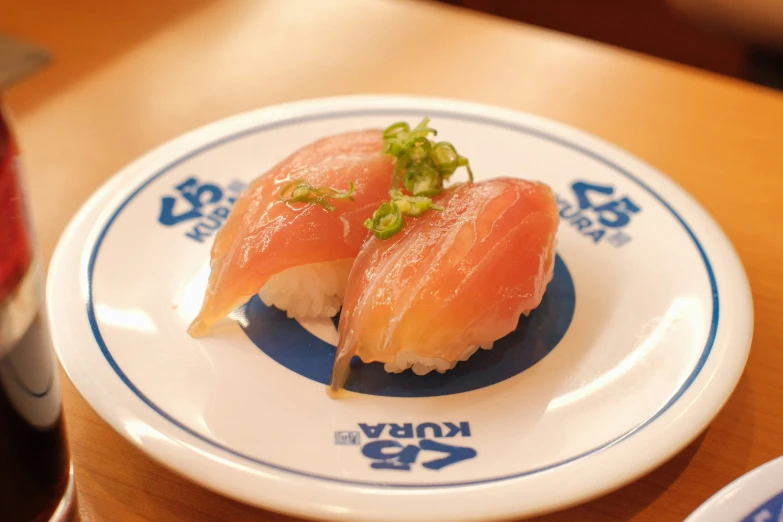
<point x="394" y="138"/>
<point x="412" y="206"/>
<point x="445" y="158"/>
<point x="395" y="129"/>
<point x="418" y="149"/>
<point x="422" y="180"/>
<point x="422" y="164"/>
<point x="386" y="221"/>
<point x="463" y="162"/>
<point x="422" y="130"/>
<point x="421" y="167"/>
<point x="300" y="191"/>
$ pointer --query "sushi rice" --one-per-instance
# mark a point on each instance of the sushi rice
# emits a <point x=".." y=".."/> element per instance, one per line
<point x="424" y="365"/>
<point x="312" y="290"/>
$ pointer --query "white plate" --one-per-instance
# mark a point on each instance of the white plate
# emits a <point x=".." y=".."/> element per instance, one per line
<point x="756" y="496"/>
<point x="640" y="340"/>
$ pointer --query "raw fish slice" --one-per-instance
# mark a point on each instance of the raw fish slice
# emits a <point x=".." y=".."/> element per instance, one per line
<point x="453" y="280"/>
<point x="264" y="235"/>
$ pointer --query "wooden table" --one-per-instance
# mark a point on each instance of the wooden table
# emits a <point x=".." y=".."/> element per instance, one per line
<point x="130" y="75"/>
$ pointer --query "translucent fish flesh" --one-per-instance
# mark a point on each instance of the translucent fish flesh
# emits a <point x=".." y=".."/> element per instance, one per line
<point x="451" y="281"/>
<point x="265" y="235"/>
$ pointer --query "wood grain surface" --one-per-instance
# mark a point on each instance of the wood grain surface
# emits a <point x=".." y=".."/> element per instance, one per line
<point x="128" y="76"/>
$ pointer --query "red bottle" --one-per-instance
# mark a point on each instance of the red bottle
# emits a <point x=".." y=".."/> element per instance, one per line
<point x="36" y="482"/>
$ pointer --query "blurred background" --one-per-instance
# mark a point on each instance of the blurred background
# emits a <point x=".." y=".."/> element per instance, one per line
<point x="737" y="38"/>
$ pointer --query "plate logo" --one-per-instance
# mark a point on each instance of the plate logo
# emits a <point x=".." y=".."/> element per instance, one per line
<point x="206" y="202"/>
<point x="596" y="214"/>
<point x="392" y="446"/>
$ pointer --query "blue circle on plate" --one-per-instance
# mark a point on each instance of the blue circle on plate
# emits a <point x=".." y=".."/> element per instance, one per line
<point x="289" y="344"/>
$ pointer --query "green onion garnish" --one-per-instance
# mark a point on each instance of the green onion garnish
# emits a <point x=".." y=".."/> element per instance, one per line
<point x="422" y="165"/>
<point x="300" y="191"/>
<point x="412" y="206"/>
<point x="386" y="221"/>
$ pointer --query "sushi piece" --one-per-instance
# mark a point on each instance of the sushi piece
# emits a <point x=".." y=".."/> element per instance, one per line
<point x="293" y="234"/>
<point x="449" y="282"/>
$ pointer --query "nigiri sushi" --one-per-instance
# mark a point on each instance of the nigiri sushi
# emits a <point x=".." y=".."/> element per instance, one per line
<point x="451" y="281"/>
<point x="293" y="234"/>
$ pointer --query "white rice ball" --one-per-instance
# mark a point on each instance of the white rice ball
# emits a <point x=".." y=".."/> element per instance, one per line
<point x="424" y="365"/>
<point x="314" y="290"/>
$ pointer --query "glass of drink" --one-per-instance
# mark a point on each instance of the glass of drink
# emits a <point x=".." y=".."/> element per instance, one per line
<point x="36" y="478"/>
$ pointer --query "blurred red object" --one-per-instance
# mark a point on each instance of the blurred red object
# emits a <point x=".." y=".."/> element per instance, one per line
<point x="15" y="245"/>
